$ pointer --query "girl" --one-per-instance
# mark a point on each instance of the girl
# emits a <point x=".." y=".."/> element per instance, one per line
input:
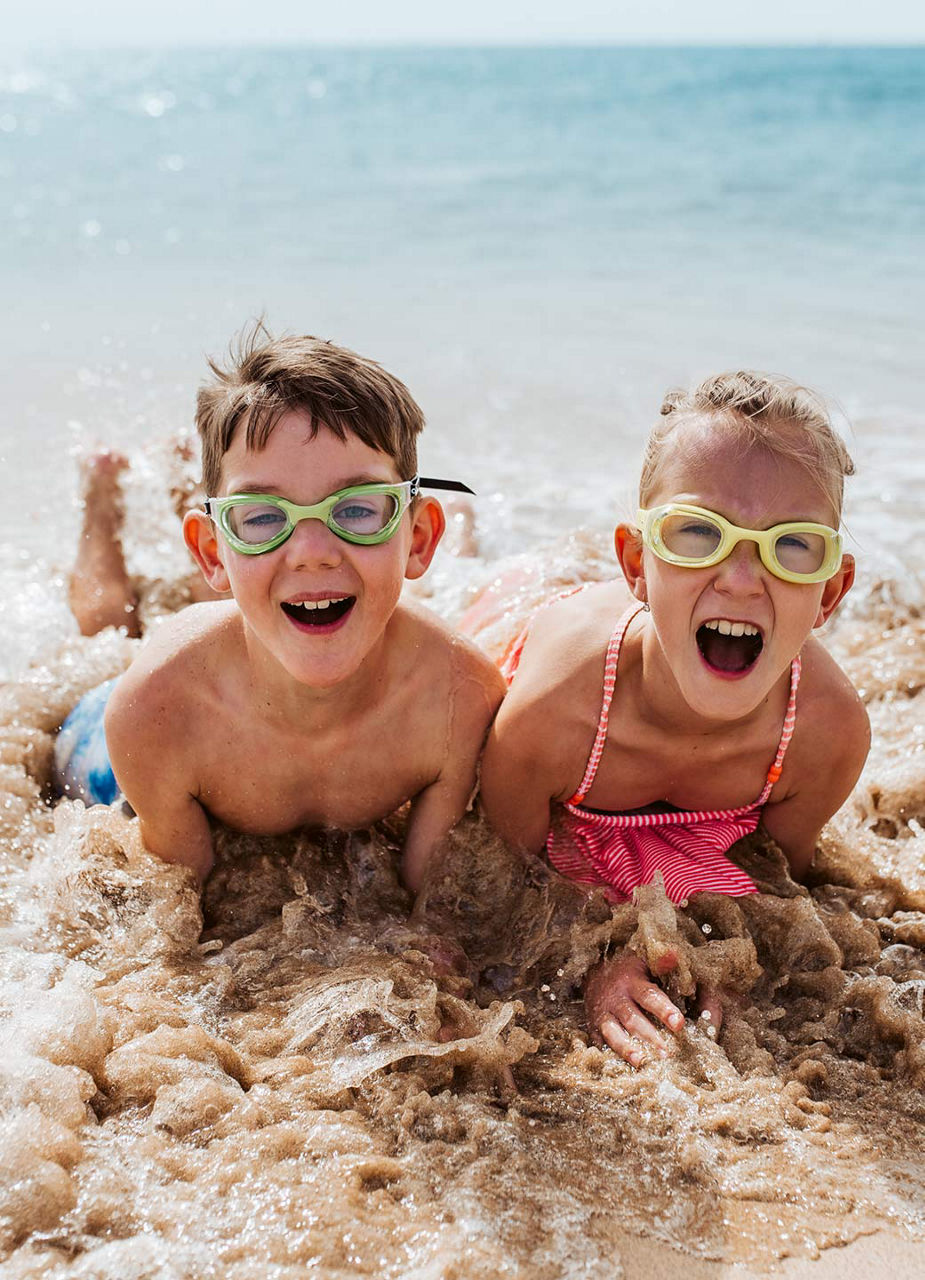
<point x="652" y="725"/>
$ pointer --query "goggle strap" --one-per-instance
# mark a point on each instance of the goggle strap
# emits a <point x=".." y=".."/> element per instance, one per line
<point x="457" y="486"/>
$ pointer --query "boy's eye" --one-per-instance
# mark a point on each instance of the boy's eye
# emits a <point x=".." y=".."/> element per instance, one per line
<point x="257" y="523"/>
<point x="263" y="518"/>
<point x="366" y="514"/>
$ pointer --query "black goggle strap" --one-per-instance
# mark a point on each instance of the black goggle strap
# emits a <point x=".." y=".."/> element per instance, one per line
<point x="426" y="482"/>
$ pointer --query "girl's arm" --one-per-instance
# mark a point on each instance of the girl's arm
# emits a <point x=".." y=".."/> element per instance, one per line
<point x="823" y="764"/>
<point x="516" y="783"/>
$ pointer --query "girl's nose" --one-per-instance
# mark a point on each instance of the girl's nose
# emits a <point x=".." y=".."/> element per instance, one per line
<point x="742" y="570"/>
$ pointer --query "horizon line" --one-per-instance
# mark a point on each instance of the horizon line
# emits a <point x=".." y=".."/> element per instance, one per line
<point x="584" y="42"/>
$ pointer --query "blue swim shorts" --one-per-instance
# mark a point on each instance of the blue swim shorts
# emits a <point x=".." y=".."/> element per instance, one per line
<point x="82" y="770"/>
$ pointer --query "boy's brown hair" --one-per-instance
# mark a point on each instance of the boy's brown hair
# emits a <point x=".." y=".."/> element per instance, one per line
<point x="267" y="377"/>
<point x="784" y="417"/>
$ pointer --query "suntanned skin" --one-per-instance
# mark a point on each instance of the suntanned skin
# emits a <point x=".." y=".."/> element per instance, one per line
<point x="231" y="713"/>
<point x="410" y="729"/>
<point x="665" y="741"/>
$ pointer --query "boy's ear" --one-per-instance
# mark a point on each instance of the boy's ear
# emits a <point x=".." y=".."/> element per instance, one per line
<point x="835" y="590"/>
<point x="427" y="525"/>
<point x="627" y="542"/>
<point x="199" y="536"/>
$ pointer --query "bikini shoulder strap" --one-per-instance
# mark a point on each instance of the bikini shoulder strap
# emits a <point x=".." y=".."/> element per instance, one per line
<point x="610" y="680"/>
<point x="790" y="720"/>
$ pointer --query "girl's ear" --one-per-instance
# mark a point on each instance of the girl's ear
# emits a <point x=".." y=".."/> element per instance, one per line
<point x="199" y="536"/>
<point x="427" y="525"/>
<point x="627" y="541"/>
<point x="835" y="590"/>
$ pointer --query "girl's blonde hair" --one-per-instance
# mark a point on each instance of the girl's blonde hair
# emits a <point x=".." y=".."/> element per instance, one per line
<point x="780" y="415"/>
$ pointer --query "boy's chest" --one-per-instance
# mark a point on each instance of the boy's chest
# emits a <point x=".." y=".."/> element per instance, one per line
<point x="271" y="783"/>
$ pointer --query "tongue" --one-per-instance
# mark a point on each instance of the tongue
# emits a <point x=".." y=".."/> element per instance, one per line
<point x="728" y="653"/>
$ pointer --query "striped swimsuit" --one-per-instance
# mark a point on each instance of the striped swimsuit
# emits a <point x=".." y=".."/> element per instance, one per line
<point x="621" y="851"/>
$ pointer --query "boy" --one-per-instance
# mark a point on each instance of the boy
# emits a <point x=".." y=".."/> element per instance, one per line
<point x="313" y="697"/>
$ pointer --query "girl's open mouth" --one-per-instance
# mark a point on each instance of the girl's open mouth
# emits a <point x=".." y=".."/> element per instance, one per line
<point x="732" y="648"/>
<point x="317" y="614"/>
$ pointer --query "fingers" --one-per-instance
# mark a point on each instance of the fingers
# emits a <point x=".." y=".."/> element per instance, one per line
<point x="710" y="1004"/>
<point x="622" y="1042"/>
<point x="618" y="996"/>
<point x="654" y="1001"/>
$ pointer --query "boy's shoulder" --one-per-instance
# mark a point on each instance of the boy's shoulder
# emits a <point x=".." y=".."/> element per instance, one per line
<point x="424" y="644"/>
<point x="182" y="660"/>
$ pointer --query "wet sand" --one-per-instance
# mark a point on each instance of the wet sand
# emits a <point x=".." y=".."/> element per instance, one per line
<point x="293" y="1078"/>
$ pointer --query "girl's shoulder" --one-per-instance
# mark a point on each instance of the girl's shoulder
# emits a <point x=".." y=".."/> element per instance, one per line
<point x="832" y="724"/>
<point x="568" y="637"/>
<point x="587" y="616"/>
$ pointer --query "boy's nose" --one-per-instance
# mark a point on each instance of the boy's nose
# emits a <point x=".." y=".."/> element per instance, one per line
<point x="312" y="544"/>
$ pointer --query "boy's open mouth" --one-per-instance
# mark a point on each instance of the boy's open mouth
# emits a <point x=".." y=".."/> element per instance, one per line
<point x="730" y="647"/>
<point x="319" y="613"/>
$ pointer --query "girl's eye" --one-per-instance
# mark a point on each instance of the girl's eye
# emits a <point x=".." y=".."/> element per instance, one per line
<point x="800" y="552"/>
<point x="690" y="537"/>
<point x="792" y="542"/>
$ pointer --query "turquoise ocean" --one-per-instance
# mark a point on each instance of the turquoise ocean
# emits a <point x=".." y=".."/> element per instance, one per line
<point x="539" y="241"/>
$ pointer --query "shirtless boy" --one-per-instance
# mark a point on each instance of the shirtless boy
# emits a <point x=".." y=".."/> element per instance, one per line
<point x="314" y="696"/>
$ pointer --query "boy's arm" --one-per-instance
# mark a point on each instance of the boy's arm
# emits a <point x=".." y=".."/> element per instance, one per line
<point x="825" y="762"/>
<point x="437" y="809"/>
<point x="150" y="773"/>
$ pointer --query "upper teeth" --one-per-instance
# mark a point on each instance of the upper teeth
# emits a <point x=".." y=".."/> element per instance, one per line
<point x="317" y="604"/>
<point x="726" y="628"/>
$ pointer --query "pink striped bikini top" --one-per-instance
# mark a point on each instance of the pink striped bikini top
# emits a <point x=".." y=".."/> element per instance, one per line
<point x="621" y="851"/>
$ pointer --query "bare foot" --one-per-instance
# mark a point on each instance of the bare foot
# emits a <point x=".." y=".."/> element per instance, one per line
<point x="99" y="590"/>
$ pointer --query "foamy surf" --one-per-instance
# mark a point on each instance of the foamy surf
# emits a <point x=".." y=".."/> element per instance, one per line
<point x="290" y="1074"/>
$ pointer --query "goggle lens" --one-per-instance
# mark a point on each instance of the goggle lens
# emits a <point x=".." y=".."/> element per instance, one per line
<point x="257" y="523"/>
<point x="802" y="552"/>
<point x="366" y="514"/>
<point x="697" y="538"/>
<point x="690" y="537"/>
<point x="363" y="514"/>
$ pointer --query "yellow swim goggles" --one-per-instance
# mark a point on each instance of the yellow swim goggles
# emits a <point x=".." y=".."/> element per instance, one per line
<point x="799" y="551"/>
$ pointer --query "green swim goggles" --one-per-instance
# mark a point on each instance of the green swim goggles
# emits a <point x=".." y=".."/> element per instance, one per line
<point x="254" y="523"/>
<point x="799" y="551"/>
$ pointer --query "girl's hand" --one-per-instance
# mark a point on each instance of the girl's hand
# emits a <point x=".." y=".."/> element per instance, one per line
<point x="618" y="995"/>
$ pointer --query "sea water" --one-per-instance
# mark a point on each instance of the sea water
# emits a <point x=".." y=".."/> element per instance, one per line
<point x="539" y="242"/>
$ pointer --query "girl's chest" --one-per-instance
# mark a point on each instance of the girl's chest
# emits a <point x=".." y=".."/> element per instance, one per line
<point x="684" y="772"/>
